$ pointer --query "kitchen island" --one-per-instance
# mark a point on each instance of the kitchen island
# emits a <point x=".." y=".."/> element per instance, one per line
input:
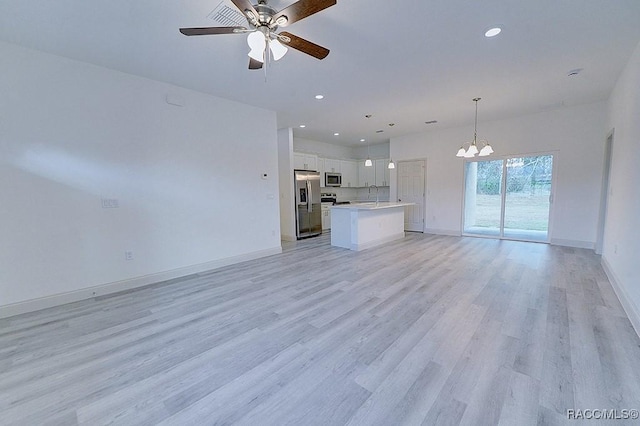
<point x="364" y="225"/>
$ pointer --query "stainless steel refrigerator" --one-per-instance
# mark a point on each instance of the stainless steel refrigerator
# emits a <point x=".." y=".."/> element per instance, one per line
<point x="308" y="206"/>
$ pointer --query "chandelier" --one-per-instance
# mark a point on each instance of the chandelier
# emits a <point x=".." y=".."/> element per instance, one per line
<point x="472" y="151"/>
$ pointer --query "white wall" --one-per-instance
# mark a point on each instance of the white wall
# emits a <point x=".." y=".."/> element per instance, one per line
<point x="187" y="180"/>
<point x="574" y="135"/>
<point x="621" y="251"/>
<point x="380" y="150"/>
<point x="322" y="149"/>
<point x="285" y="171"/>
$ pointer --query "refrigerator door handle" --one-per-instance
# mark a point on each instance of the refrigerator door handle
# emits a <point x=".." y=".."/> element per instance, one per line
<point x="309" y="198"/>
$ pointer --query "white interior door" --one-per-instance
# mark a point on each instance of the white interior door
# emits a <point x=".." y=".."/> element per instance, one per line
<point x="411" y="190"/>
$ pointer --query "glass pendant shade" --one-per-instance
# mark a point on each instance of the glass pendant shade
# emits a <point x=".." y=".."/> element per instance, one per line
<point x="461" y="152"/>
<point x="473" y="150"/>
<point x="257" y="43"/>
<point x="486" y="150"/>
<point x="391" y="164"/>
<point x="277" y="49"/>
<point x="368" y="162"/>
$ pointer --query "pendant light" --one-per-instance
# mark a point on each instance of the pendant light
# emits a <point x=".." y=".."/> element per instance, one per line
<point x="472" y="151"/>
<point x="391" y="165"/>
<point x="368" y="162"/>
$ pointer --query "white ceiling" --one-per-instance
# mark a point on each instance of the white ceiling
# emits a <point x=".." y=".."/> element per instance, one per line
<point x="404" y="62"/>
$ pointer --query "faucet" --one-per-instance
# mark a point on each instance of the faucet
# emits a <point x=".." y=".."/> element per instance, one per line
<point x="373" y="186"/>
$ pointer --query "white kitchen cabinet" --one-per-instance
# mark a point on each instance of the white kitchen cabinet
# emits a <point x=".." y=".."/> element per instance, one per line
<point x="321" y="170"/>
<point x="366" y="175"/>
<point x="302" y="161"/>
<point x="382" y="172"/>
<point x="331" y="165"/>
<point x="326" y="216"/>
<point x="349" y="170"/>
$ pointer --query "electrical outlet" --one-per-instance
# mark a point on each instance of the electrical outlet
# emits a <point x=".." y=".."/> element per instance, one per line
<point x="128" y="255"/>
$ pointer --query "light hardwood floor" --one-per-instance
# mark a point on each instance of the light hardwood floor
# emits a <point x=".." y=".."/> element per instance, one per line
<point x="426" y="330"/>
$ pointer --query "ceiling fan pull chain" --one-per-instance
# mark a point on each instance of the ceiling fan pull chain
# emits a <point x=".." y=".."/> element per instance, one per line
<point x="266" y="64"/>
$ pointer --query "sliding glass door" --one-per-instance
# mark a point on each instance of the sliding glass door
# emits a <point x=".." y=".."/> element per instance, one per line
<point x="482" y="200"/>
<point x="509" y="198"/>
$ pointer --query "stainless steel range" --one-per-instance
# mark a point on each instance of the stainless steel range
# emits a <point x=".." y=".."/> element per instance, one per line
<point x="328" y="197"/>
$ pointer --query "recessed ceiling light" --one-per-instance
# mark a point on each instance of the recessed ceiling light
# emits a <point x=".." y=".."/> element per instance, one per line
<point x="361" y="140"/>
<point x="319" y="96"/>
<point x="302" y="126"/>
<point x="336" y="134"/>
<point x="493" y="32"/>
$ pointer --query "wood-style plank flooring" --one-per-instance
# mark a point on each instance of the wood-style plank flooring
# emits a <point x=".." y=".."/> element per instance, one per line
<point x="429" y="330"/>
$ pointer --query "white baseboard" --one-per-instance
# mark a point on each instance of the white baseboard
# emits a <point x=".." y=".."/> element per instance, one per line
<point x="374" y="243"/>
<point x="128" y="284"/>
<point x="629" y="307"/>
<point x="449" y="232"/>
<point x="573" y="243"/>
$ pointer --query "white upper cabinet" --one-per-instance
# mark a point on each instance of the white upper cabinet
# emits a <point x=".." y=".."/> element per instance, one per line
<point x="349" y="170"/>
<point x="333" y="166"/>
<point x="382" y="172"/>
<point x="354" y="173"/>
<point x="366" y="175"/>
<point x="302" y="161"/>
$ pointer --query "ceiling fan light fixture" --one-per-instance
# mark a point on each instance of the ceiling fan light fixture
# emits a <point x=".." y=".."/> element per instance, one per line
<point x="264" y="19"/>
<point x="277" y="49"/>
<point x="257" y="42"/>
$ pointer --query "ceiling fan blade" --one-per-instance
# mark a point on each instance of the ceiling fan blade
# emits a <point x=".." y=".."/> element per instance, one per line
<point x="211" y="30"/>
<point x="303" y="45"/>
<point x="246" y="8"/>
<point x="301" y="9"/>
<point x="254" y="65"/>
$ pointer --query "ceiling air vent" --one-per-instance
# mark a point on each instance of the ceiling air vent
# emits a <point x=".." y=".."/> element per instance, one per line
<point x="227" y="16"/>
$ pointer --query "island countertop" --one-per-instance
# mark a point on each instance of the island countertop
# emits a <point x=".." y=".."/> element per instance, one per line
<point x="371" y="205"/>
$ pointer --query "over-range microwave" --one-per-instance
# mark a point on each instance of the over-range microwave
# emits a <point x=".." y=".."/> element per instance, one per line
<point x="332" y="179"/>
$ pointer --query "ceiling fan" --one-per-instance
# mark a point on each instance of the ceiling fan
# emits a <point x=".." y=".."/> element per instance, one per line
<point x="263" y="21"/>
